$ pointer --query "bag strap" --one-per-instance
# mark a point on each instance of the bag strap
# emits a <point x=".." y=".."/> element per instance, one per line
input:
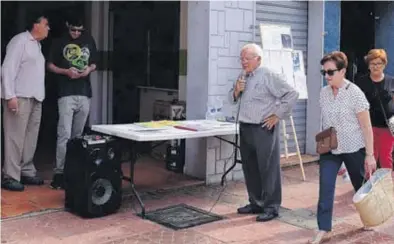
<point x="381" y="105"/>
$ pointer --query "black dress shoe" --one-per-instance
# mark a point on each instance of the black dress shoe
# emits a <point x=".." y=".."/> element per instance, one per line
<point x="35" y="180"/>
<point x="57" y="182"/>
<point x="266" y="217"/>
<point x="250" y="209"/>
<point x="12" y="185"/>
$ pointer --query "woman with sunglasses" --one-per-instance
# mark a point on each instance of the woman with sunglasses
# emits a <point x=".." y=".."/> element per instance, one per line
<point x="378" y="88"/>
<point x="344" y="107"/>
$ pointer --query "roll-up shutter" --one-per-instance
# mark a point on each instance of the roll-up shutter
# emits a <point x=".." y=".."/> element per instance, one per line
<point x="294" y="14"/>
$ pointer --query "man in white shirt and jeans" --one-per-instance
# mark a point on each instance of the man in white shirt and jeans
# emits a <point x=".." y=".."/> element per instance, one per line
<point x="22" y="93"/>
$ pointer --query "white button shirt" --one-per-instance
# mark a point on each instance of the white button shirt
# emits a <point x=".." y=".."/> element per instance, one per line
<point x="341" y="112"/>
<point x="23" y="71"/>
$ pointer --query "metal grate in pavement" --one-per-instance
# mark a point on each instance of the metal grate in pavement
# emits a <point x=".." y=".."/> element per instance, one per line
<point x="181" y="216"/>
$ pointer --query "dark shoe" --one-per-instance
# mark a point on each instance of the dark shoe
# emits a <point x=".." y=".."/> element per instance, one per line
<point x="35" y="180"/>
<point x="12" y="185"/>
<point x="266" y="217"/>
<point x="57" y="182"/>
<point x="250" y="209"/>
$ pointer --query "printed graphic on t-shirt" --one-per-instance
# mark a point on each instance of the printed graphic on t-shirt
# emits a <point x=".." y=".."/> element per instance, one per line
<point x="76" y="56"/>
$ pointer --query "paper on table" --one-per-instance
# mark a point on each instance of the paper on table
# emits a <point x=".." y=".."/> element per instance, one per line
<point x="203" y="125"/>
<point x="135" y="127"/>
<point x="157" y="124"/>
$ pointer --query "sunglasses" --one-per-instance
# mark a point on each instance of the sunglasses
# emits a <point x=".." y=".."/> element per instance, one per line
<point x="329" y="72"/>
<point x="76" y="29"/>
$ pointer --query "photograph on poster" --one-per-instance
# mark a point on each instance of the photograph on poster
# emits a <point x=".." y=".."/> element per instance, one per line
<point x="286" y="41"/>
<point x="299" y="74"/>
<point x="296" y="62"/>
<point x="276" y="37"/>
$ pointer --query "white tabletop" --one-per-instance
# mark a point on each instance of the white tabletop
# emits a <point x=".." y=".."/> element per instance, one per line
<point x="135" y="133"/>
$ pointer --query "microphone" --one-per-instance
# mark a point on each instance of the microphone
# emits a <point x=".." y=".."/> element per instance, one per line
<point x="242" y="77"/>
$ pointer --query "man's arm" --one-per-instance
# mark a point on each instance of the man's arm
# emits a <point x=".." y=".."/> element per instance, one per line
<point x="287" y="95"/>
<point x="53" y="68"/>
<point x="53" y="57"/>
<point x="11" y="64"/>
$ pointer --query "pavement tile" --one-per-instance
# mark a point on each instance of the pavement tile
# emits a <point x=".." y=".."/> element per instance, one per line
<point x="345" y="233"/>
<point x="166" y="236"/>
<point x="293" y="203"/>
<point x="247" y="229"/>
<point x="63" y="225"/>
<point x="126" y="227"/>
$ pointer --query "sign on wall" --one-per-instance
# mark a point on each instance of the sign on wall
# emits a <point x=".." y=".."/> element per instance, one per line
<point x="279" y="55"/>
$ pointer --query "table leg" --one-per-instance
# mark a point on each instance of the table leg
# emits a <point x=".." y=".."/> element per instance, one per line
<point x="235" y="161"/>
<point x="131" y="178"/>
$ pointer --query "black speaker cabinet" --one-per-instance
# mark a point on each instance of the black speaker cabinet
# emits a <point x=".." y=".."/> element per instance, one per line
<point x="92" y="176"/>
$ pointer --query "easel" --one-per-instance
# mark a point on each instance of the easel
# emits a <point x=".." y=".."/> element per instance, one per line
<point x="296" y="142"/>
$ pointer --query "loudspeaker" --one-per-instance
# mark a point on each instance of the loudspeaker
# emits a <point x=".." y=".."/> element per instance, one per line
<point x="175" y="157"/>
<point x="93" y="176"/>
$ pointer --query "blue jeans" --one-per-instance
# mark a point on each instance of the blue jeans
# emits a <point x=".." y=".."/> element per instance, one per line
<point x="329" y="166"/>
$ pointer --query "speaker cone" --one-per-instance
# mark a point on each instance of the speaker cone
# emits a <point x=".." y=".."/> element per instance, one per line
<point x="101" y="191"/>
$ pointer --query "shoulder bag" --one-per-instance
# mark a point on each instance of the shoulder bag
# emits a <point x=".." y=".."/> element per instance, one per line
<point x="326" y="140"/>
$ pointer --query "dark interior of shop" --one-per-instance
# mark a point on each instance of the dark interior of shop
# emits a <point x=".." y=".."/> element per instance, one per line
<point x="357" y="34"/>
<point x="145" y="37"/>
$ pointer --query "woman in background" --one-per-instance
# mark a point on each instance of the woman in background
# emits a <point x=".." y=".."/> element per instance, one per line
<point x="378" y="88"/>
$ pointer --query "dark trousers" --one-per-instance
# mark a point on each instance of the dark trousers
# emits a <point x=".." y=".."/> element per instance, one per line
<point x="260" y="152"/>
<point x="329" y="166"/>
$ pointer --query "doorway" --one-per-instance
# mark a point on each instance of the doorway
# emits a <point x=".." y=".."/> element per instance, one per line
<point x="357" y="35"/>
<point x="145" y="37"/>
<point x="14" y="22"/>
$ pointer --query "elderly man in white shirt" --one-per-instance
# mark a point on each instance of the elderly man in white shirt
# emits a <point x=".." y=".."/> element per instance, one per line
<point x="22" y="92"/>
<point x="263" y="98"/>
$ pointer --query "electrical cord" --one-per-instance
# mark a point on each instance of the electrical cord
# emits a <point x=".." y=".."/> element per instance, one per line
<point x="233" y="154"/>
<point x="224" y="187"/>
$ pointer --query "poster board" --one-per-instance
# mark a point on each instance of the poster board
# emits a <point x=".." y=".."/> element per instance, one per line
<point x="299" y="74"/>
<point x="279" y="55"/>
<point x="276" y="37"/>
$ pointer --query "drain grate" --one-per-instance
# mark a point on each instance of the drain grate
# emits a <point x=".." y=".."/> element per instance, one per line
<point x="181" y="216"/>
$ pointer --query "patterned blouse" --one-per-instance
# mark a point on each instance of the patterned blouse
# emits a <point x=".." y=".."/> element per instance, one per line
<point x="341" y="112"/>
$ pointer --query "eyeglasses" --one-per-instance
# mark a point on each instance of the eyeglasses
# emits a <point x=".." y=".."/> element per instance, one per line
<point x="241" y="59"/>
<point x="376" y="64"/>
<point x="329" y="72"/>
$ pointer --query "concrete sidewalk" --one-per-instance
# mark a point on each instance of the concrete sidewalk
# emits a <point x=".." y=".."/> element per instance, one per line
<point x="295" y="225"/>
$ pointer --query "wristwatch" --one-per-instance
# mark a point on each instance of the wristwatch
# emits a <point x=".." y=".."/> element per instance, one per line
<point x="369" y="154"/>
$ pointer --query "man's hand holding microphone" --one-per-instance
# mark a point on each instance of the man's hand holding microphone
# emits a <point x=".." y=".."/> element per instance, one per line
<point x="239" y="86"/>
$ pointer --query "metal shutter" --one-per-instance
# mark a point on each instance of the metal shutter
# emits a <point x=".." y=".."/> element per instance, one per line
<point x="295" y="14"/>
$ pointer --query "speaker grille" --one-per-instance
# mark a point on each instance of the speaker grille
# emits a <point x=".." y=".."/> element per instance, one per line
<point x="101" y="190"/>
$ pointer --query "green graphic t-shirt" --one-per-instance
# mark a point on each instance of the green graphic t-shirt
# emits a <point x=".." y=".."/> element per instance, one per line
<point x="76" y="54"/>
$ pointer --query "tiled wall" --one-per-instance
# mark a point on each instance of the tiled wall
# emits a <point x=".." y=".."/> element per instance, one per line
<point x="230" y="28"/>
